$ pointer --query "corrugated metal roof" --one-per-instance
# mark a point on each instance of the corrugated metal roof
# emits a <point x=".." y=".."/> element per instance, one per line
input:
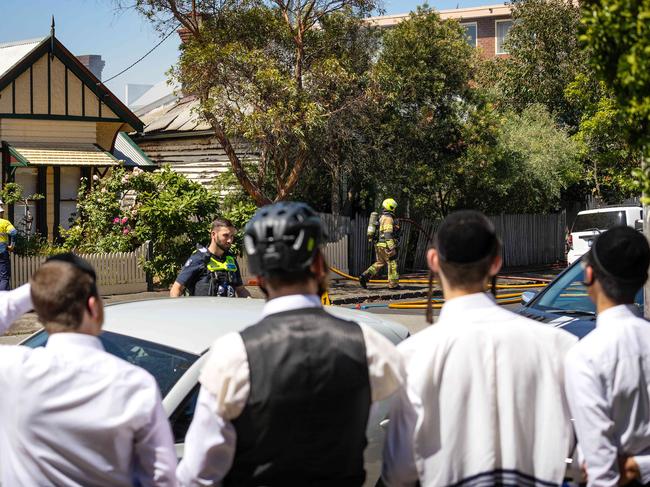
<point x="128" y="151"/>
<point x="49" y="154"/>
<point x="12" y="52"/>
<point x="182" y="116"/>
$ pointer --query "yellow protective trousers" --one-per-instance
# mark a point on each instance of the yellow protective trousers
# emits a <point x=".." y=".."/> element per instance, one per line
<point x="384" y="260"/>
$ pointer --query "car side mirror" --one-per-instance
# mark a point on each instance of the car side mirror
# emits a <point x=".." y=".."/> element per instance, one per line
<point x="527" y="296"/>
<point x="638" y="225"/>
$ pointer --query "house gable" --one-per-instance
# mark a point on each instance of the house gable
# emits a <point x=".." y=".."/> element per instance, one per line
<point x="49" y="83"/>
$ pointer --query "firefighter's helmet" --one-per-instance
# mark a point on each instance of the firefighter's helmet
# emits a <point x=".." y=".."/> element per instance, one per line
<point x="389" y="204"/>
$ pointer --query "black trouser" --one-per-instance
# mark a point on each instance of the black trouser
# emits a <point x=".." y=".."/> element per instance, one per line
<point x="5" y="271"/>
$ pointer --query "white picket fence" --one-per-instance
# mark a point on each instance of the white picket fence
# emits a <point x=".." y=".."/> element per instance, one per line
<point x="336" y="254"/>
<point x="117" y="272"/>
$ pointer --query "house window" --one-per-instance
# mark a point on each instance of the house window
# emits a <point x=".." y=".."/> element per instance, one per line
<point x="68" y="195"/>
<point x="470" y="33"/>
<point x="25" y="216"/>
<point x="502" y="28"/>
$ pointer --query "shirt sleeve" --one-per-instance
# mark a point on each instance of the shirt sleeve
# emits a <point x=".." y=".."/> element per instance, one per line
<point x="587" y="400"/>
<point x="154" y="449"/>
<point x="385" y="365"/>
<point x="190" y="271"/>
<point x="211" y="438"/>
<point x="14" y="304"/>
<point x="209" y="445"/>
<point x="226" y="375"/>
<point x="399" y="467"/>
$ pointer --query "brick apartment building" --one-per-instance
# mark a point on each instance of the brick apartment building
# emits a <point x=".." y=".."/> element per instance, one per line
<point x="486" y="27"/>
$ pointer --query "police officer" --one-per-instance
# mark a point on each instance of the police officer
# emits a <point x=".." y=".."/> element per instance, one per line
<point x="7" y="243"/>
<point x="212" y="271"/>
<point x="385" y="248"/>
<point x="286" y="401"/>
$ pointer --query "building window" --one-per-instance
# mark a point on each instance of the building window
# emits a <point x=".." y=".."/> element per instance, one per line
<point x="502" y="28"/>
<point x="69" y="188"/>
<point x="25" y="216"/>
<point x="470" y="33"/>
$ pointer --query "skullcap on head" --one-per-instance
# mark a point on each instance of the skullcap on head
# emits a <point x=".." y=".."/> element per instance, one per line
<point x="623" y="254"/>
<point x="465" y="236"/>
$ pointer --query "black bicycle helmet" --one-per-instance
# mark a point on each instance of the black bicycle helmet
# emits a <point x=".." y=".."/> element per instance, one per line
<point x="283" y="237"/>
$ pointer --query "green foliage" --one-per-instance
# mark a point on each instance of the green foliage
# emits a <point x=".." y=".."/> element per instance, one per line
<point x="169" y="210"/>
<point x="281" y="75"/>
<point x="545" y="56"/>
<point x="542" y="158"/>
<point x="422" y="86"/>
<point x="618" y="35"/>
<point x="607" y="156"/>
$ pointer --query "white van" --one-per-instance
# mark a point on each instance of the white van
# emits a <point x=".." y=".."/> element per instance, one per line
<point x="591" y="223"/>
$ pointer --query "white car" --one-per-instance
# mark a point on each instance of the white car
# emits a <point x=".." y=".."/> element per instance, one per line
<point x="591" y="223"/>
<point x="170" y="338"/>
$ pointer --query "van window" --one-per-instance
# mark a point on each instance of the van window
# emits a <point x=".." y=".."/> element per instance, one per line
<point x="601" y="221"/>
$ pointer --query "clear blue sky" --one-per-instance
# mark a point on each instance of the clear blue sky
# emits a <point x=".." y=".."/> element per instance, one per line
<point x="121" y="37"/>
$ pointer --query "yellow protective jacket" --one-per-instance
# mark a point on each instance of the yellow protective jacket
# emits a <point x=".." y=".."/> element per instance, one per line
<point x="386" y="228"/>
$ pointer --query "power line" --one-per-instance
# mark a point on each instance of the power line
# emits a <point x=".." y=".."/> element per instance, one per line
<point x="148" y="52"/>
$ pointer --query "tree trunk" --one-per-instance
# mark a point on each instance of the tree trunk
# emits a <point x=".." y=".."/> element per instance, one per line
<point x="336" y="190"/>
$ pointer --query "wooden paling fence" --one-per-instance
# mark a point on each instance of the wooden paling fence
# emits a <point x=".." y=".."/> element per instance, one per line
<point x="117" y="272"/>
<point x="336" y="255"/>
<point x="528" y="239"/>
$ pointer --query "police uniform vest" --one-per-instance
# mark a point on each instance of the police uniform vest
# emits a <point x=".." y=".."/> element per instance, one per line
<point x="219" y="273"/>
<point x="305" y="419"/>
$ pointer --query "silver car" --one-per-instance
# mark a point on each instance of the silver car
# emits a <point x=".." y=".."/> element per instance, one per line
<point x="170" y="339"/>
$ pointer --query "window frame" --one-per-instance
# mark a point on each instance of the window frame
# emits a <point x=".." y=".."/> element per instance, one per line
<point x="475" y="24"/>
<point x="496" y="35"/>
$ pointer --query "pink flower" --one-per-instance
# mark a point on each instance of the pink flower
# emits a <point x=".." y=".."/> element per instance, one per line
<point x="125" y="231"/>
<point x="124" y="220"/>
<point x="116" y="219"/>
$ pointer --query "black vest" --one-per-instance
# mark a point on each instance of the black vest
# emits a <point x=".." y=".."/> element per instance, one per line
<point x="305" y="420"/>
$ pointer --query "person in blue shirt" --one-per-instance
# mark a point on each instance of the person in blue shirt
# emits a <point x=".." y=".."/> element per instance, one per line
<point x="7" y="243"/>
<point x="212" y="270"/>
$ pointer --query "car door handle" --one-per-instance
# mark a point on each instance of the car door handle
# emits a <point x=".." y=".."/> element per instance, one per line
<point x="384" y="424"/>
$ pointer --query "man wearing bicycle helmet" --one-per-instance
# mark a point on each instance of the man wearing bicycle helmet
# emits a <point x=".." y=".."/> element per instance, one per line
<point x="286" y="401"/>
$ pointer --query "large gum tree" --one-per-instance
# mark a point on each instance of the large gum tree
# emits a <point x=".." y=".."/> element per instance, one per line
<point x="272" y="73"/>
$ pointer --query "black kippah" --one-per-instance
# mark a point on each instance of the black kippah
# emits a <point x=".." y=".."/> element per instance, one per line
<point x="80" y="263"/>
<point x="623" y="254"/>
<point x="465" y="236"/>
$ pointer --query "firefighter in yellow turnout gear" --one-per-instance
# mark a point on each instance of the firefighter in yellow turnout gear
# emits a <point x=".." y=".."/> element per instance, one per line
<point x="385" y="247"/>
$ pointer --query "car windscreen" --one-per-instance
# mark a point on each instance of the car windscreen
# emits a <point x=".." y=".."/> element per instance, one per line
<point x="599" y="221"/>
<point x="568" y="293"/>
<point x="166" y="364"/>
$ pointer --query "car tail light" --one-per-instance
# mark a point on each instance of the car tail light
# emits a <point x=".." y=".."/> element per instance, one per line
<point x="570" y="241"/>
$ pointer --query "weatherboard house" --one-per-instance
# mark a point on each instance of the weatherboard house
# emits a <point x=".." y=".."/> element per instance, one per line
<point x="58" y="123"/>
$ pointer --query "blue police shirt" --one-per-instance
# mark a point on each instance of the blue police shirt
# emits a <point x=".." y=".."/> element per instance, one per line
<point x="195" y="272"/>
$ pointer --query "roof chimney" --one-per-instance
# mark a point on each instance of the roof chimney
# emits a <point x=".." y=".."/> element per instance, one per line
<point x="94" y="63"/>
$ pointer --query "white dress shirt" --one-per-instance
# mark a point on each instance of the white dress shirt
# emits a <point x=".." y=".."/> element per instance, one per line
<point x="14" y="304"/>
<point x="485" y="400"/>
<point x="72" y="414"/>
<point x="608" y="387"/>
<point x="225" y="386"/>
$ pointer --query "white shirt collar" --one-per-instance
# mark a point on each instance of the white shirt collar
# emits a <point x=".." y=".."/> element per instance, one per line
<point x="466" y="303"/>
<point x="66" y="339"/>
<point x="291" y="302"/>
<point x="615" y="313"/>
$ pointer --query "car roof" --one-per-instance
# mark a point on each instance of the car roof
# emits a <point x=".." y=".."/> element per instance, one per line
<point x="608" y="209"/>
<point x="192" y="324"/>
